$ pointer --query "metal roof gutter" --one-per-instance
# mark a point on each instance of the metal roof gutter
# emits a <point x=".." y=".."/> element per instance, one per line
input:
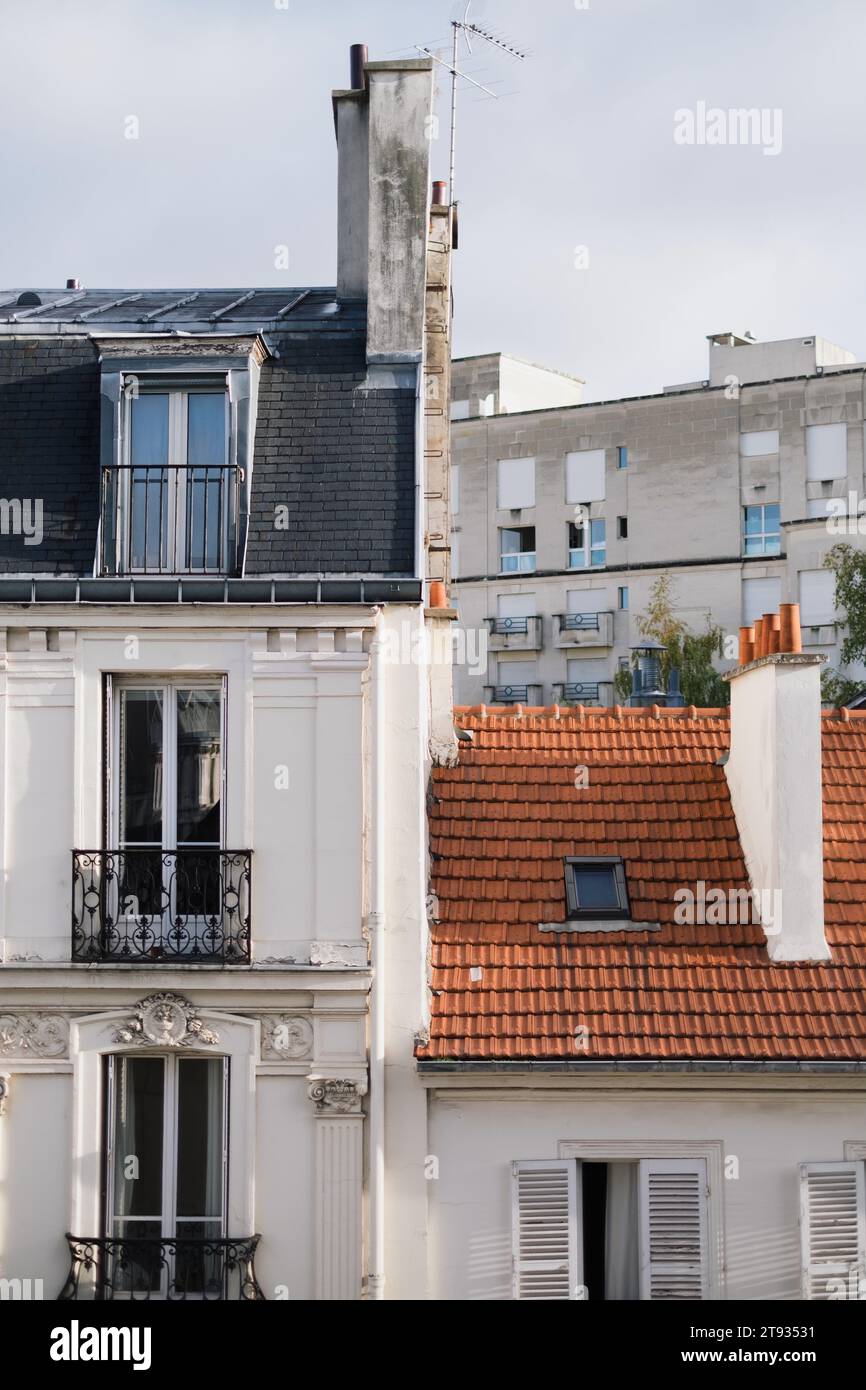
<point x="709" y="1067"/>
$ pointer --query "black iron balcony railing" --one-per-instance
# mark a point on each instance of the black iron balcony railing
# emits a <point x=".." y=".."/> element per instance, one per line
<point x="579" y="622"/>
<point x="503" y="626"/>
<point x="170" y="519"/>
<point x="186" y="906"/>
<point x="142" y="1268"/>
<point x="586" y="692"/>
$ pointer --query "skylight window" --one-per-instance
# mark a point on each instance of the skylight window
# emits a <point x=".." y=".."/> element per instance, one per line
<point x="595" y="889"/>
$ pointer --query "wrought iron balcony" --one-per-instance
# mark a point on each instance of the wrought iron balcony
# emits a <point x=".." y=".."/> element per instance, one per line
<point x="137" y="906"/>
<point x="513" y="694"/>
<point x="521" y="634"/>
<point x="583" y="629"/>
<point x="142" y="1268"/>
<point x="170" y="519"/>
<point x="585" y="692"/>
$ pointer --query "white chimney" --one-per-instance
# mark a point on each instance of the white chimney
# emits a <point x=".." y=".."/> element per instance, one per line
<point x="774" y="776"/>
<point x="383" y="143"/>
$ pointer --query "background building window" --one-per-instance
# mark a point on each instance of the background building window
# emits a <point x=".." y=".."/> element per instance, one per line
<point x="826" y="452"/>
<point x="760" y="596"/>
<point x="622" y="594"/>
<point x="762" y="529"/>
<point x="584" y="476"/>
<point x="587" y="545"/>
<point x="757" y="443"/>
<point x="516" y="484"/>
<point x="517" y="550"/>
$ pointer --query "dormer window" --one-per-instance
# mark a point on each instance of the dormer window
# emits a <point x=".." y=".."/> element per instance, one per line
<point x="170" y="504"/>
<point x="595" y="889"/>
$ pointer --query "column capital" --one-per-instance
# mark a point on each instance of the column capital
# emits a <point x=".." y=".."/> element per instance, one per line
<point x="336" y="1095"/>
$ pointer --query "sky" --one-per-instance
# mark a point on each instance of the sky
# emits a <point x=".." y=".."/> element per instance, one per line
<point x="609" y="220"/>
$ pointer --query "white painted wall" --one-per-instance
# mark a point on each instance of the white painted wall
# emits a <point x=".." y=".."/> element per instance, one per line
<point x="476" y="1136"/>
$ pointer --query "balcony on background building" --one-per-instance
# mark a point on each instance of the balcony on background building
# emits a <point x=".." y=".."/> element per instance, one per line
<point x="175" y="1269"/>
<point x="170" y="519"/>
<point x="140" y="906"/>
<point x="513" y="694"/>
<point x="584" y="693"/>
<point x="515" y="634"/>
<point x="583" y="629"/>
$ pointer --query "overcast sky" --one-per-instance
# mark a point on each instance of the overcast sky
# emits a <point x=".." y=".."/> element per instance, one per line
<point x="236" y="156"/>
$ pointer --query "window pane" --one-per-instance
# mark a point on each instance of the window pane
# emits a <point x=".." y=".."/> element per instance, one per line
<point x="141" y="767"/>
<point x="149" y="431"/>
<point x="596" y="887"/>
<point x="200" y="1122"/>
<point x="148" y="482"/>
<point x="206" y="428"/>
<point x="753" y="520"/>
<point x="139" y="1088"/>
<point x="772" y="516"/>
<point x="199" y="766"/>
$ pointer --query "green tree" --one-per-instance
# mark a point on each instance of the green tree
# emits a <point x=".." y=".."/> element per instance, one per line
<point x="690" y="653"/>
<point x="849" y="567"/>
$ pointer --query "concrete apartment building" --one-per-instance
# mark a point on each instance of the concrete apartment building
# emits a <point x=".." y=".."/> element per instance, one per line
<point x="565" y="514"/>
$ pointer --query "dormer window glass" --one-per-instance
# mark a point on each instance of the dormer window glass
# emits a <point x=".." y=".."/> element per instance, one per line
<point x="170" y="505"/>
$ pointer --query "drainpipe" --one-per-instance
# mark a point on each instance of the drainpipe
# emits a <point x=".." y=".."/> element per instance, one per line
<point x="419" y="476"/>
<point x="376" y="924"/>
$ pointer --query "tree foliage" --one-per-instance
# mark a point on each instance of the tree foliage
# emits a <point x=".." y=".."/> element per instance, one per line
<point x="690" y="653"/>
<point x="849" y="567"/>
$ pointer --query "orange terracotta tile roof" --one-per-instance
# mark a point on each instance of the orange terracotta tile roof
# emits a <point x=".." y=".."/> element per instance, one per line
<point x="502" y="823"/>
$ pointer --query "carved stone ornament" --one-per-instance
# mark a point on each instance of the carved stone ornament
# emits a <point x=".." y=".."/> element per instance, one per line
<point x="336" y="1097"/>
<point x="165" y="1020"/>
<point x="4" y="1092"/>
<point x="33" y="1035"/>
<point x="286" y="1037"/>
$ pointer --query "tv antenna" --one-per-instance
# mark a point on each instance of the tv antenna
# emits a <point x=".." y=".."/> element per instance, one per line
<point x="467" y="30"/>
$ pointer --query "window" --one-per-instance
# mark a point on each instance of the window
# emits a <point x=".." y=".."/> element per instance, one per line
<point x="587" y="545"/>
<point x="826" y="452"/>
<point x="622" y="528"/>
<point x="455" y="488"/>
<point x="817" y="597"/>
<point x="515" y="678"/>
<point x="595" y="888"/>
<point x="760" y="596"/>
<point x="584" y="476"/>
<point x="622" y="597"/>
<point x="165" y="1128"/>
<point x="762" y="529"/>
<point x="460" y="410"/>
<point x="171" y="505"/>
<point x="516" y="483"/>
<point x="610" y="1231"/>
<point x="514" y="612"/>
<point x="517" y="550"/>
<point x="757" y="443"/>
<point x="622" y="457"/>
<point x="833" y="1229"/>
<point x="170" y="890"/>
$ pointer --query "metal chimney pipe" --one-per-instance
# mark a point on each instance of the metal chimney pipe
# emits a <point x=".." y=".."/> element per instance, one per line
<point x="73" y="284"/>
<point x="357" y="63"/>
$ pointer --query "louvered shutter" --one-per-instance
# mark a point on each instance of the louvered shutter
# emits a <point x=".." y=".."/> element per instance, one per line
<point x="833" y="1229"/>
<point x="674" y="1248"/>
<point x="546" y="1243"/>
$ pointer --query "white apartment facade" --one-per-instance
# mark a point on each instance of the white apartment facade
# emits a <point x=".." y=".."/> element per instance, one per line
<point x="565" y="514"/>
<point x="217" y="717"/>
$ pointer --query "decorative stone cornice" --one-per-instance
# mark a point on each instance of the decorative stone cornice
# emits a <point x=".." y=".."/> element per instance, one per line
<point x="336" y="1096"/>
<point x="286" y="1037"/>
<point x="165" y="1020"/>
<point x="34" y="1035"/>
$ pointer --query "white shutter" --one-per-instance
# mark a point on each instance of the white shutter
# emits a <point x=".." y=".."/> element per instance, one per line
<point x="674" y="1248"/>
<point x="832" y="1229"/>
<point x="516" y="483"/>
<point x="584" y="476"/>
<point x="546" y="1243"/>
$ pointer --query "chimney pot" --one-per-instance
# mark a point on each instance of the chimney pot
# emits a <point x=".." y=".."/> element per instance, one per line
<point x="357" y="62"/>
<point x="747" y="642"/>
<point x="438" y="594"/>
<point x="791" y="639"/>
<point x="775" y="634"/>
<point x="439" y="197"/>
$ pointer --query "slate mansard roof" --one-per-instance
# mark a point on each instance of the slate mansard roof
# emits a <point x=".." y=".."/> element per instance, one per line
<point x="503" y="822"/>
<point x="341" y="458"/>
